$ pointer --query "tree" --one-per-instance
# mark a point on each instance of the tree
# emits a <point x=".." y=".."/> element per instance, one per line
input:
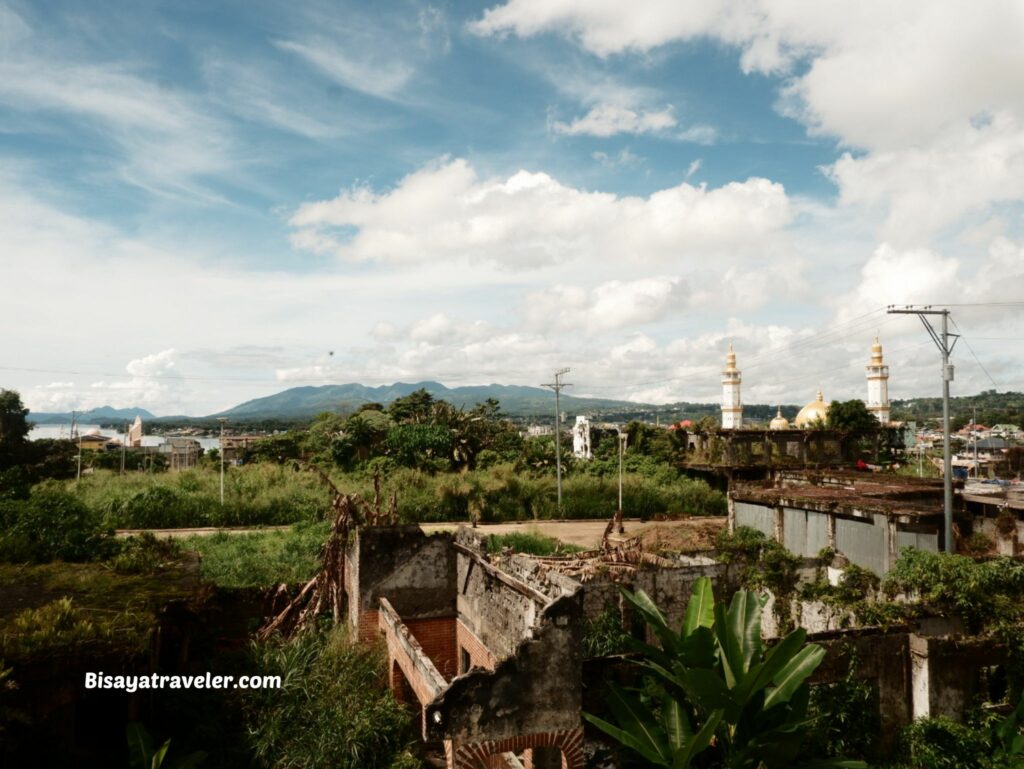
<point x="14" y="427"/>
<point x="720" y="698"/>
<point x="414" y="407"/>
<point x="851" y="416"/>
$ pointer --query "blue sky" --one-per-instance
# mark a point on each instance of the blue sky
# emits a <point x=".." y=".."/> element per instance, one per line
<point x="207" y="202"/>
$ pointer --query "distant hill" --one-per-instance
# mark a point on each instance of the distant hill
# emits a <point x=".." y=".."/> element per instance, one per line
<point x="516" y="400"/>
<point x="101" y="415"/>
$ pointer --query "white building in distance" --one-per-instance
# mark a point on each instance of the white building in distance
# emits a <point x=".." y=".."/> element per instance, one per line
<point x="581" y="438"/>
<point x="878" y="384"/>
<point x="732" y="405"/>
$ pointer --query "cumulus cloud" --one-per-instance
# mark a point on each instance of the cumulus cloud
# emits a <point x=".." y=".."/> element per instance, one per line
<point x="610" y="305"/>
<point x="445" y="212"/>
<point x="931" y="93"/>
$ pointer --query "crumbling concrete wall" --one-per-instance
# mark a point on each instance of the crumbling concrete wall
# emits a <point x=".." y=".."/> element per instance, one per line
<point x="414" y="571"/>
<point x="535" y="690"/>
<point x="945" y="673"/>
<point x="498" y="608"/>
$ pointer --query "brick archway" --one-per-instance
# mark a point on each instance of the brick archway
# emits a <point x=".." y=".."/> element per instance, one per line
<point x="476" y="755"/>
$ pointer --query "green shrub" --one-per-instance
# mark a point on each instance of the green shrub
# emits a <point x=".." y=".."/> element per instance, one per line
<point x="60" y="625"/>
<point x="50" y="525"/>
<point x="604" y="635"/>
<point x="261" y="559"/>
<point x="939" y="743"/>
<point x="334" y="708"/>
<point x="145" y="554"/>
<point x="530" y="542"/>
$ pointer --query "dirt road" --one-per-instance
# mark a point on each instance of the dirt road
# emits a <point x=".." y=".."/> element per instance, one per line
<point x="687" y="533"/>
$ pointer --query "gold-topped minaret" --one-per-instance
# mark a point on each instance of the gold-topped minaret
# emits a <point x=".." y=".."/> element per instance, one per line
<point x="732" y="405"/>
<point x="878" y="384"/>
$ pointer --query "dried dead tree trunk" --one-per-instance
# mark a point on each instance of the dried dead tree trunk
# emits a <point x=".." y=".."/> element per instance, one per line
<point x="326" y="590"/>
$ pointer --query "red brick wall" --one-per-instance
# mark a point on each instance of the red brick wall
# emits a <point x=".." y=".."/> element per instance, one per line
<point x="468" y="756"/>
<point x="369" y="626"/>
<point x="437" y="638"/>
<point x="479" y="655"/>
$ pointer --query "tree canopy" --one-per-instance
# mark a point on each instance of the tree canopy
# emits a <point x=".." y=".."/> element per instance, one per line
<point x="14" y="427"/>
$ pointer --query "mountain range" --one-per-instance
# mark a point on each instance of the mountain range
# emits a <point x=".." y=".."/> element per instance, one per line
<point x="516" y="400"/>
<point x="103" y="414"/>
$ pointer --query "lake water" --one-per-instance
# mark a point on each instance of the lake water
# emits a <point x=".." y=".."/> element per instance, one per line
<point x="64" y="431"/>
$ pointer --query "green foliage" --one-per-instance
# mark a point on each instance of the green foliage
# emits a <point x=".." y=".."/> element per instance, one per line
<point x="334" y="708"/>
<point x="761" y="563"/>
<point x="717" y="696"/>
<point x="846" y="715"/>
<point x="145" y="554"/>
<point x="60" y="626"/>
<point x="530" y="542"/>
<point x="262" y="494"/>
<point x="143" y="752"/>
<point x="852" y="416"/>
<point x="425" y="446"/>
<point x="412" y="408"/>
<point x="51" y="524"/>
<point x="982" y="593"/>
<point x="14" y="429"/>
<point x="940" y="743"/>
<point x="260" y="559"/>
<point x="604" y="635"/>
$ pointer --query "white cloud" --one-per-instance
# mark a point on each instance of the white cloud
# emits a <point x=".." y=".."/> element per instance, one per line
<point x="932" y="93"/>
<point x="166" y="138"/>
<point x="445" y="212"/>
<point x="927" y="188"/>
<point x="611" y="305"/>
<point x="375" y="74"/>
<point x="609" y="119"/>
<point x="625" y="158"/>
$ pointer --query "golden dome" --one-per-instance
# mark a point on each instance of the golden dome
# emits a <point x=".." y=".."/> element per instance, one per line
<point x="812" y="412"/>
<point x="779" y="422"/>
<point x="876" y="353"/>
<point x="730" y="359"/>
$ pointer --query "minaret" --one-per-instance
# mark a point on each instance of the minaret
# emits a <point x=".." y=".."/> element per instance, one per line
<point x="732" y="406"/>
<point x="878" y="384"/>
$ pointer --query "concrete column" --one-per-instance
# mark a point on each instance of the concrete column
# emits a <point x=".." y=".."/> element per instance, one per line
<point x="779" y="531"/>
<point x="730" y="504"/>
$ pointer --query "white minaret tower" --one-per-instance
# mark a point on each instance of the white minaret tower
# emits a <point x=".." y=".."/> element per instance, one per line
<point x="878" y="384"/>
<point x="732" y="406"/>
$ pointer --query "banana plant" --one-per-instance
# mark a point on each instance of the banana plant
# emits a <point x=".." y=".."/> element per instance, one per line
<point x="720" y="697"/>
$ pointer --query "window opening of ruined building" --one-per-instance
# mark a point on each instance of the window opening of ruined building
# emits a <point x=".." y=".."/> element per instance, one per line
<point x="464" y="660"/>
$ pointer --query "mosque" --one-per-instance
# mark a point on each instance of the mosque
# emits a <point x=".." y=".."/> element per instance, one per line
<point x="877" y="400"/>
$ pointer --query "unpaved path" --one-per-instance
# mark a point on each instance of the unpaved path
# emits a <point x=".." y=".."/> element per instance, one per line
<point x="588" y="533"/>
<point x="697" y="531"/>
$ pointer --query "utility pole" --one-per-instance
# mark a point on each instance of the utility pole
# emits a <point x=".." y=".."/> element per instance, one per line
<point x="557" y="387"/>
<point x="124" y="446"/>
<point x="74" y="430"/>
<point x="941" y="339"/>
<point x="222" y="420"/>
<point x="623" y="437"/>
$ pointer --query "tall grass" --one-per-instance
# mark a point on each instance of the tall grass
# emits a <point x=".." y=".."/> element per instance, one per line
<point x="334" y="708"/>
<point x="253" y="495"/>
<point x="260" y="559"/>
<point x="266" y="494"/>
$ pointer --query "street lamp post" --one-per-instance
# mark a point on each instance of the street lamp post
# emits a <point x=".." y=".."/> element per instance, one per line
<point x="222" y="420"/>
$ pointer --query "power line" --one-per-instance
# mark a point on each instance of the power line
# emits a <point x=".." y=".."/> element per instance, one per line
<point x="974" y="355"/>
